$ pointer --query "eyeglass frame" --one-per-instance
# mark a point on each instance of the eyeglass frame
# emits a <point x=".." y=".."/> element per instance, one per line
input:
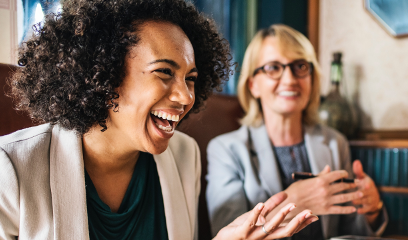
<point x="290" y="65"/>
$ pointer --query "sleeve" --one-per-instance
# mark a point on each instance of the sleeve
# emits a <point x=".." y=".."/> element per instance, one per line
<point x="226" y="198"/>
<point x="356" y="224"/>
<point x="9" y="198"/>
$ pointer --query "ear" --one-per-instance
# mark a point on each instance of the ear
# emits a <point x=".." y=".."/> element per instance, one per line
<point x="253" y="87"/>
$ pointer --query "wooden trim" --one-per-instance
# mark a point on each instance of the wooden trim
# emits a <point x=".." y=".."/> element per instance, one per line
<point x="398" y="190"/>
<point x="313" y="24"/>
<point x="379" y="143"/>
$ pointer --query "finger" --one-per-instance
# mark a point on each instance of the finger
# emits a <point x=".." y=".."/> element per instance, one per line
<point x="309" y="220"/>
<point x="346" y="197"/>
<point x="340" y="187"/>
<point x="291" y="227"/>
<point x="272" y="202"/>
<point x="341" y="210"/>
<point x="357" y="202"/>
<point x="335" y="175"/>
<point x="250" y="222"/>
<point x="279" y="217"/>
<point x="325" y="170"/>
<point x="358" y="169"/>
<point x="365" y="209"/>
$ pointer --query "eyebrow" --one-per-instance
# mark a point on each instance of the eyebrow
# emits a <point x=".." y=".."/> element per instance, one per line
<point x="173" y="63"/>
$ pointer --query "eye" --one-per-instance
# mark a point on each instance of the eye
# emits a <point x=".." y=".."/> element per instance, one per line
<point x="192" y="78"/>
<point x="164" y="73"/>
<point x="272" y="67"/>
<point x="302" y="66"/>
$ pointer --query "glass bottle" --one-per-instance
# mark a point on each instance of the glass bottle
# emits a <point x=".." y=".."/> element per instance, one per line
<point x="335" y="111"/>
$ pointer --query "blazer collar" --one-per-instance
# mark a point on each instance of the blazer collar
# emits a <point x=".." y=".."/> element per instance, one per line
<point x="264" y="160"/>
<point x="67" y="182"/>
<point x="318" y="149"/>
<point x="175" y="204"/>
<point x="318" y="152"/>
<point x="319" y="155"/>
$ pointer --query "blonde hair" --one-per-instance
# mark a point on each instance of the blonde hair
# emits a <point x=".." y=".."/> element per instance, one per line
<point x="289" y="40"/>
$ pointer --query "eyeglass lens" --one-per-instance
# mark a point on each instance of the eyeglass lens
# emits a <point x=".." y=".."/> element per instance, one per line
<point x="300" y="69"/>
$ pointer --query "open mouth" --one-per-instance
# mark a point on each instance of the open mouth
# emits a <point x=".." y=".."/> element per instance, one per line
<point x="165" y="121"/>
<point x="288" y="93"/>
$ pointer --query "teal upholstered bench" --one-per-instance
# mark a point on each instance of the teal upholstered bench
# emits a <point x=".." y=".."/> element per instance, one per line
<point x="387" y="164"/>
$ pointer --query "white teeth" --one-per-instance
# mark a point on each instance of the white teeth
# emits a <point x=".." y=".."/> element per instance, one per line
<point x="168" y="116"/>
<point x="167" y="129"/>
<point x="288" y="93"/>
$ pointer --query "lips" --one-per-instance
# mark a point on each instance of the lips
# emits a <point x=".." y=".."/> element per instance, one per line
<point x="165" y="121"/>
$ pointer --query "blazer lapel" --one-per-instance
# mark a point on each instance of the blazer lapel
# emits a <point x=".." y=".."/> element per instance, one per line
<point x="67" y="184"/>
<point x="265" y="162"/>
<point x="319" y="155"/>
<point x="175" y="205"/>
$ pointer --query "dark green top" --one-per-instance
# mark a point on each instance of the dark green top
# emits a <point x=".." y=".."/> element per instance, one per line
<point x="141" y="213"/>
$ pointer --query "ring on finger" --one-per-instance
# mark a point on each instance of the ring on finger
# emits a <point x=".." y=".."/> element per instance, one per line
<point x="264" y="230"/>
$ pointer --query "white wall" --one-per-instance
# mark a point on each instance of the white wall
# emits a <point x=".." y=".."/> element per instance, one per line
<point x="375" y="63"/>
<point x="8" y="31"/>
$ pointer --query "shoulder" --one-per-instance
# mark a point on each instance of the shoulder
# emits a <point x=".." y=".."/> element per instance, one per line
<point x="329" y="134"/>
<point x="237" y="137"/>
<point x="32" y="136"/>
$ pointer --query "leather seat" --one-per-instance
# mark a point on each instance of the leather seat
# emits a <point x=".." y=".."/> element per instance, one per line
<point x="10" y="119"/>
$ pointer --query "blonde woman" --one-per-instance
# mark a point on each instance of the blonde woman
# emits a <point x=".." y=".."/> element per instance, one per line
<point x="279" y="91"/>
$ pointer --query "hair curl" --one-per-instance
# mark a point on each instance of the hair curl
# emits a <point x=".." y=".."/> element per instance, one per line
<point x="74" y="63"/>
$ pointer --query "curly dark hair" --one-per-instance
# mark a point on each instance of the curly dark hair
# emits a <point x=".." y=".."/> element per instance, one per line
<point x="75" y="61"/>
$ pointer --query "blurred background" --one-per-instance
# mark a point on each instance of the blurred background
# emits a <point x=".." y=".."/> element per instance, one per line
<point x="375" y="63"/>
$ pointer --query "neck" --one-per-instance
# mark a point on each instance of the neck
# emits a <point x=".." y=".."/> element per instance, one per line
<point x="103" y="155"/>
<point x="284" y="130"/>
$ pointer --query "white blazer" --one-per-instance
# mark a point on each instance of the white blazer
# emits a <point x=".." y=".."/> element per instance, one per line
<point x="42" y="185"/>
<point x="237" y="180"/>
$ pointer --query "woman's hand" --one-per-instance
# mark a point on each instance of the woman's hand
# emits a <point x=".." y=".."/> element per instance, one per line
<point x="321" y="195"/>
<point x="252" y="225"/>
<point x="370" y="203"/>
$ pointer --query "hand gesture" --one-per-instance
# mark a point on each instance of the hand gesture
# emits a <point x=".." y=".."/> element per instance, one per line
<point x="322" y="195"/>
<point x="370" y="202"/>
<point x="252" y="225"/>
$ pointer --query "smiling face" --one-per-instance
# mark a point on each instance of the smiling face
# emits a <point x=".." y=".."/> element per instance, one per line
<point x="288" y="95"/>
<point x="158" y="89"/>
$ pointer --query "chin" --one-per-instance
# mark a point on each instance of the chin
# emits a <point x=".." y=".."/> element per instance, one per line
<point x="157" y="148"/>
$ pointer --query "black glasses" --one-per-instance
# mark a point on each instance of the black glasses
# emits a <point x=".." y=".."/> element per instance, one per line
<point x="300" y="69"/>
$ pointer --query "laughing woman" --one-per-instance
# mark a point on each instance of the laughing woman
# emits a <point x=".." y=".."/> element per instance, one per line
<point x="110" y="80"/>
<point x="279" y="90"/>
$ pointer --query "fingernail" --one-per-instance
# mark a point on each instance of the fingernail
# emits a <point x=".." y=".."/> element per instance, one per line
<point x="308" y="215"/>
<point x="293" y="207"/>
<point x="260" y="206"/>
<point x="360" y="194"/>
<point x="315" y="219"/>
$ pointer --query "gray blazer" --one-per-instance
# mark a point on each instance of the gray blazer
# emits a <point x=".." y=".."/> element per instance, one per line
<point x="237" y="180"/>
<point x="42" y="185"/>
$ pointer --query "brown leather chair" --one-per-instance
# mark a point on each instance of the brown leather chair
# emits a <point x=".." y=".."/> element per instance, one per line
<point x="221" y="115"/>
<point x="10" y="119"/>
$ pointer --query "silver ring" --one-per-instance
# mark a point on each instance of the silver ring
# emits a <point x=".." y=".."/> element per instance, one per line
<point x="263" y="229"/>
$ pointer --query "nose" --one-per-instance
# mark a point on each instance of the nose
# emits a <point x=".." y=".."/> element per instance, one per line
<point x="287" y="76"/>
<point x="181" y="93"/>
